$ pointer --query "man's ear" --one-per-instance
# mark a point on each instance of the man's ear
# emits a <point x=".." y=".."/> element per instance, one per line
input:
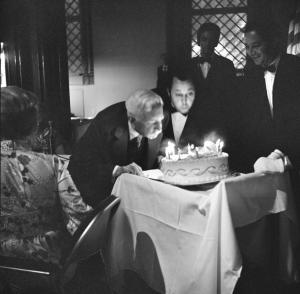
<point x="169" y="92"/>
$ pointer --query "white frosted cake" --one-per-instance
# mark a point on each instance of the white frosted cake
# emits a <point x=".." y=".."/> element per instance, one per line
<point x="198" y="166"/>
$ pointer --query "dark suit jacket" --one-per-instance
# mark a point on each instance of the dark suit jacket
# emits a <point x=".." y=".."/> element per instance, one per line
<point x="220" y="76"/>
<point x="102" y="147"/>
<point x="262" y="133"/>
<point x="220" y="88"/>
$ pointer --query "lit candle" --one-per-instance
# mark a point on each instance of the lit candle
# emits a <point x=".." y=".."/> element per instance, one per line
<point x="167" y="153"/>
<point x="170" y="150"/>
<point x="218" y="145"/>
<point x="221" y="146"/>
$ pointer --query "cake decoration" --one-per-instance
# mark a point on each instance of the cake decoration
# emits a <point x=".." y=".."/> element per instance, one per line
<point x="194" y="165"/>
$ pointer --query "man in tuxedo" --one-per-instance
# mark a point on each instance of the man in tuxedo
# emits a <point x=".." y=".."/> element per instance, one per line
<point x="123" y="138"/>
<point x="191" y="116"/>
<point x="271" y="103"/>
<point x="212" y="69"/>
<point x="270" y="137"/>
<point x="215" y="75"/>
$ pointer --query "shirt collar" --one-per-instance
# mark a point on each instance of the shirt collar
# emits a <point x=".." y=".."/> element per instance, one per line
<point x="132" y="132"/>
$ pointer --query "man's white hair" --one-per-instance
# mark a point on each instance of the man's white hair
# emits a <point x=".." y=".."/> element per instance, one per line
<point x="141" y="102"/>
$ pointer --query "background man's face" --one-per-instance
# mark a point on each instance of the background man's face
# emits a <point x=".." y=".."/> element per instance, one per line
<point x="150" y="125"/>
<point x="207" y="42"/>
<point x="182" y="95"/>
<point x="256" y="48"/>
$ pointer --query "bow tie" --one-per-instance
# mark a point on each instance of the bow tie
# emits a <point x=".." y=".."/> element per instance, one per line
<point x="173" y="110"/>
<point x="271" y="68"/>
<point x="201" y="59"/>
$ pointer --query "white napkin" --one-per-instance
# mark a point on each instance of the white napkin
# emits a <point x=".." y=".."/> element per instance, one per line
<point x="154" y="174"/>
<point x="265" y="164"/>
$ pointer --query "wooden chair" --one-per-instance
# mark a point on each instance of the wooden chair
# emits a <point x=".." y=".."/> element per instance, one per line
<point x="88" y="240"/>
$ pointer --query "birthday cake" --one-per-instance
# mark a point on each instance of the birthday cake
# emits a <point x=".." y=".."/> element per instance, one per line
<point x="196" y="166"/>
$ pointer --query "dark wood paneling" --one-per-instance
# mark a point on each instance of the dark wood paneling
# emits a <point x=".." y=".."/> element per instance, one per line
<point x="35" y="43"/>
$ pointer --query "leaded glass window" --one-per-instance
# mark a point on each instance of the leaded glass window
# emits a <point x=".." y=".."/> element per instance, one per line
<point x="230" y="16"/>
<point x="78" y="39"/>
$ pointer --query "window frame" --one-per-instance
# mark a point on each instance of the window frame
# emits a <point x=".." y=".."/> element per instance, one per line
<point x="84" y="19"/>
<point x="215" y="11"/>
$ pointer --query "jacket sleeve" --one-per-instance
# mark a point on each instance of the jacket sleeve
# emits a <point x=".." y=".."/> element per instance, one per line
<point x="91" y="165"/>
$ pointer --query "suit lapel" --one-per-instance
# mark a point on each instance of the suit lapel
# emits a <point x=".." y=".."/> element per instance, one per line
<point x="199" y="73"/>
<point x="185" y="131"/>
<point x="280" y="74"/>
<point x="263" y="103"/>
<point x="168" y="132"/>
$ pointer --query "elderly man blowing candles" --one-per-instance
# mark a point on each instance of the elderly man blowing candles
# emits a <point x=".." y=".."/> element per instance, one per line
<point x="123" y="138"/>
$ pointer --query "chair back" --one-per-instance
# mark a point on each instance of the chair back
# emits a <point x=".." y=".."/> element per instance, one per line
<point x="89" y="239"/>
<point x="91" y="235"/>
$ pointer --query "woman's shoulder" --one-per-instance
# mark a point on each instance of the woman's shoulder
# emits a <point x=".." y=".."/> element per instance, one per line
<point x="29" y="158"/>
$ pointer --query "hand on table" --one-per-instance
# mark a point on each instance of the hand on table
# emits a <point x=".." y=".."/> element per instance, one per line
<point x="266" y="164"/>
<point x="276" y="154"/>
<point x="131" y="168"/>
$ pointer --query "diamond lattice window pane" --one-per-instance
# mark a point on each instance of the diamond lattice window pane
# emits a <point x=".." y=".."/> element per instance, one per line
<point x="231" y="41"/>
<point x="72" y="7"/>
<point x="207" y="4"/>
<point x="73" y="32"/>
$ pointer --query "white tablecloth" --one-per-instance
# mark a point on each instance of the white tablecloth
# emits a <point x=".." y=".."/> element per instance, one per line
<point x="181" y="241"/>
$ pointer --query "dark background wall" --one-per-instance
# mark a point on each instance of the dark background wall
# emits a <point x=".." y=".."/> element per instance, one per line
<point x="278" y="11"/>
<point x="129" y="38"/>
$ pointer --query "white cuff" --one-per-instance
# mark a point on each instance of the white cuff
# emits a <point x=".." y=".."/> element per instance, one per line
<point x="115" y="170"/>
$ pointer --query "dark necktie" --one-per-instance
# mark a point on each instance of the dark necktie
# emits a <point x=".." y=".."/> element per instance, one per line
<point x="134" y="148"/>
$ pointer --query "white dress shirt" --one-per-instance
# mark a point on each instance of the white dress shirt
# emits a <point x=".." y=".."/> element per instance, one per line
<point x="205" y="67"/>
<point x="269" y="80"/>
<point x="132" y="132"/>
<point x="178" y="123"/>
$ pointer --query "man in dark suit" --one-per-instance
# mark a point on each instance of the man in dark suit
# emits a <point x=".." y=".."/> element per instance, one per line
<point x="123" y="138"/>
<point x="191" y="116"/>
<point x="215" y="75"/>
<point x="270" y="137"/>
<point x="271" y="103"/>
<point x="213" y="71"/>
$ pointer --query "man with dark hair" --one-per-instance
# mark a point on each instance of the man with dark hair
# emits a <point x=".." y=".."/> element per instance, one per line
<point x="212" y="69"/>
<point x="215" y="75"/>
<point x="270" y="136"/>
<point x="191" y="117"/>
<point x="271" y="103"/>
